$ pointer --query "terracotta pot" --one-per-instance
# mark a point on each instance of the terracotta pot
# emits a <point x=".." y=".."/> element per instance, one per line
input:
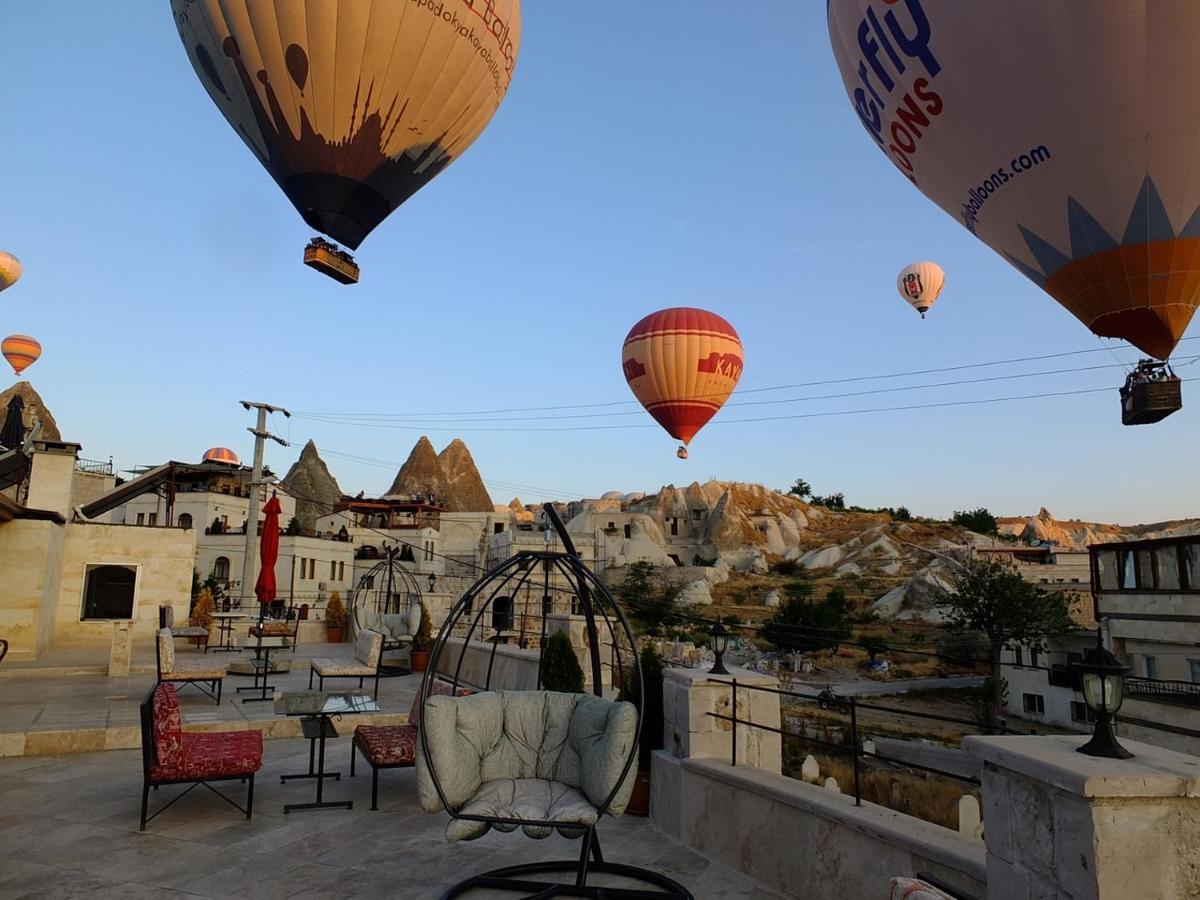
<point x="639" y="800"/>
<point x="335" y="635"/>
<point x="420" y="660"/>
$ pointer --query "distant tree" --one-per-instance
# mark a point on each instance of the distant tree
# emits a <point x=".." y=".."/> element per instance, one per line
<point x="801" y="489"/>
<point x="978" y="520"/>
<point x="874" y="646"/>
<point x="648" y="595"/>
<point x="802" y="624"/>
<point x="833" y="501"/>
<point x="293" y="526"/>
<point x="990" y="597"/>
<point x="560" y="666"/>
<point x="901" y="514"/>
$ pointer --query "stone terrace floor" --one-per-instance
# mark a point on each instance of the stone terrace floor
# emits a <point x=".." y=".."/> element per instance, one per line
<point x="68" y="828"/>
<point x="46" y="710"/>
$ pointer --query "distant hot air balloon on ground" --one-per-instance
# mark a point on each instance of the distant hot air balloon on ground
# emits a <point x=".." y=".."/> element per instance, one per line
<point x="352" y="107"/>
<point x="221" y="455"/>
<point x="1061" y="134"/>
<point x="682" y="364"/>
<point x="10" y="270"/>
<point x="21" y="351"/>
<point x="920" y="284"/>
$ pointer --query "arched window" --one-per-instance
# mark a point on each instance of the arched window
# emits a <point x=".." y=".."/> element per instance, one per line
<point x="185" y="520"/>
<point x="221" y="568"/>
<point x="502" y="614"/>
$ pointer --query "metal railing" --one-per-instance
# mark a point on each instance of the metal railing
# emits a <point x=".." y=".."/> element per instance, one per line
<point x="1182" y="692"/>
<point x="848" y="706"/>
<point x="94" y="466"/>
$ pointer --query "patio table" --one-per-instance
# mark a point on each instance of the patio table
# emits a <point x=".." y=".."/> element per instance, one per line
<point x="316" y="710"/>
<point x="261" y="666"/>
<point x="225" y="622"/>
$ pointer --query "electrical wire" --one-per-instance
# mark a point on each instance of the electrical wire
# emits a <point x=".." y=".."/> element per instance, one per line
<point x="741" y="392"/>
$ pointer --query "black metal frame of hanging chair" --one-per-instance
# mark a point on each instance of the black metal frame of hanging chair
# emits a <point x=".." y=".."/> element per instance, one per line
<point x="380" y="597"/>
<point x="600" y="610"/>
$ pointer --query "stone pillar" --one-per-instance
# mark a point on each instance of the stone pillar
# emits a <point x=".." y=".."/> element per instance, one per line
<point x="118" y="655"/>
<point x="1060" y="824"/>
<point x="690" y="694"/>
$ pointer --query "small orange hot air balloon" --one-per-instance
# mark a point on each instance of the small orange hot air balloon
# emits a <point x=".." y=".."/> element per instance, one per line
<point x="682" y="364"/>
<point x="21" y="351"/>
<point x="221" y="455"/>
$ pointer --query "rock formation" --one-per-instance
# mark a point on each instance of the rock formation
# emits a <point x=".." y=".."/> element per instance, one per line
<point x="464" y="490"/>
<point x="315" y="489"/>
<point x="421" y="474"/>
<point x="35" y="408"/>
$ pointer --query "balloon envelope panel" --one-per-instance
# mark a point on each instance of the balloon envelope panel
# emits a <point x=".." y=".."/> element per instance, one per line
<point x="682" y="364"/>
<point x="1061" y="134"/>
<point x="353" y="106"/>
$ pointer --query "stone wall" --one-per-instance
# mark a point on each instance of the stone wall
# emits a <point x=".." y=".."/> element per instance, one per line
<point x="512" y="669"/>
<point x="803" y="840"/>
<point x="29" y="553"/>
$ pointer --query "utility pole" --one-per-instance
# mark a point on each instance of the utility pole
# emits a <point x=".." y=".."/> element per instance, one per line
<point x="261" y="434"/>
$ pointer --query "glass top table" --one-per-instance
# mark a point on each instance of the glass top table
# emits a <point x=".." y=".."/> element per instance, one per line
<point x="317" y="710"/>
<point x="225" y="622"/>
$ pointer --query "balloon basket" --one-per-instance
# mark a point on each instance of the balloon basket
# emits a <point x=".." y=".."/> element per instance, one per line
<point x="329" y="260"/>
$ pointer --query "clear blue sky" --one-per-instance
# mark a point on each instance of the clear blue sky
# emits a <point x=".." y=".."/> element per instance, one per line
<point x="643" y="158"/>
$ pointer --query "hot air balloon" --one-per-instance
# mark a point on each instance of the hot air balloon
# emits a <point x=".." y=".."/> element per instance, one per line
<point x="682" y="364"/>
<point x="221" y="455"/>
<point x="1060" y="134"/>
<point x="21" y="351"/>
<point x="920" y="284"/>
<point x="352" y="107"/>
<point x="10" y="270"/>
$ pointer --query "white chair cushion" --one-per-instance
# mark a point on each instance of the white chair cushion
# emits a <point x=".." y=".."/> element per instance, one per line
<point x="525" y="798"/>
<point x="367" y="648"/>
<point x="328" y="668"/>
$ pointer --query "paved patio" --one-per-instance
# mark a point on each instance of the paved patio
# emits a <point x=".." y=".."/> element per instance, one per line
<point x="69" y="829"/>
<point x="47" y="710"/>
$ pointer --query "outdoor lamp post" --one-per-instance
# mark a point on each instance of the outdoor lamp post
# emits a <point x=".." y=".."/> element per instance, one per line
<point x="432" y="581"/>
<point x="1102" y="678"/>
<point x="718" y="642"/>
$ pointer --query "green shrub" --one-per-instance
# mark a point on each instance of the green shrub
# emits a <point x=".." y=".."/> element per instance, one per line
<point x="560" y="667"/>
<point x="648" y="691"/>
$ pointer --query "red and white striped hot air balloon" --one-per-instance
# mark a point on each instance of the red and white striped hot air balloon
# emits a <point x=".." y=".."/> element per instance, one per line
<point x="682" y="364"/>
<point x="221" y="455"/>
<point x="21" y="351"/>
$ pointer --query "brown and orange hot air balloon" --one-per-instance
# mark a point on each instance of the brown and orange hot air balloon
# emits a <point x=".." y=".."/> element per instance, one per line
<point x="221" y="455"/>
<point x="21" y="351"/>
<point x="682" y="364"/>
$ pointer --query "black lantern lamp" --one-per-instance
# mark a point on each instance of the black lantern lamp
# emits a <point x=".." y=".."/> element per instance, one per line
<point x="432" y="582"/>
<point x="718" y="642"/>
<point x="1102" y="678"/>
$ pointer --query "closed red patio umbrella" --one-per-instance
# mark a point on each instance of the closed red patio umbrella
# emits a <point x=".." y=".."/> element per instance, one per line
<point x="268" y="551"/>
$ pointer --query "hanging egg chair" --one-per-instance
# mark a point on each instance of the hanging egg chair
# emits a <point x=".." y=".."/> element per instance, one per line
<point x="387" y="599"/>
<point x="518" y="753"/>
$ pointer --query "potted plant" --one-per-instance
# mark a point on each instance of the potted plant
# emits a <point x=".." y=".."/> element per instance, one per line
<point x="335" y="618"/>
<point x="651" y="696"/>
<point x="202" y="612"/>
<point x="560" y="666"/>
<point x="422" y="641"/>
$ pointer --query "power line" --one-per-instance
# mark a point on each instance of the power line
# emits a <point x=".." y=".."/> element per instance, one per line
<point x="722" y="421"/>
<point x="741" y="392"/>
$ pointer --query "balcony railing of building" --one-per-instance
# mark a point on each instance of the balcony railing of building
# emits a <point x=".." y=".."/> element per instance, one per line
<point x="95" y="466"/>
<point x="1184" y="693"/>
<point x="853" y="746"/>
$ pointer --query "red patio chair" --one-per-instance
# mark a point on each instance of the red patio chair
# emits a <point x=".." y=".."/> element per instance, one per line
<point x="393" y="746"/>
<point x="171" y="755"/>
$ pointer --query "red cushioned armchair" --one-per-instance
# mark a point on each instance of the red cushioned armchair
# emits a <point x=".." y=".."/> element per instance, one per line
<point x="171" y="755"/>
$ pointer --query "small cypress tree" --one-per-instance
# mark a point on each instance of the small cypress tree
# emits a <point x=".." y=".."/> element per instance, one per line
<point x="649" y="692"/>
<point x="560" y="667"/>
